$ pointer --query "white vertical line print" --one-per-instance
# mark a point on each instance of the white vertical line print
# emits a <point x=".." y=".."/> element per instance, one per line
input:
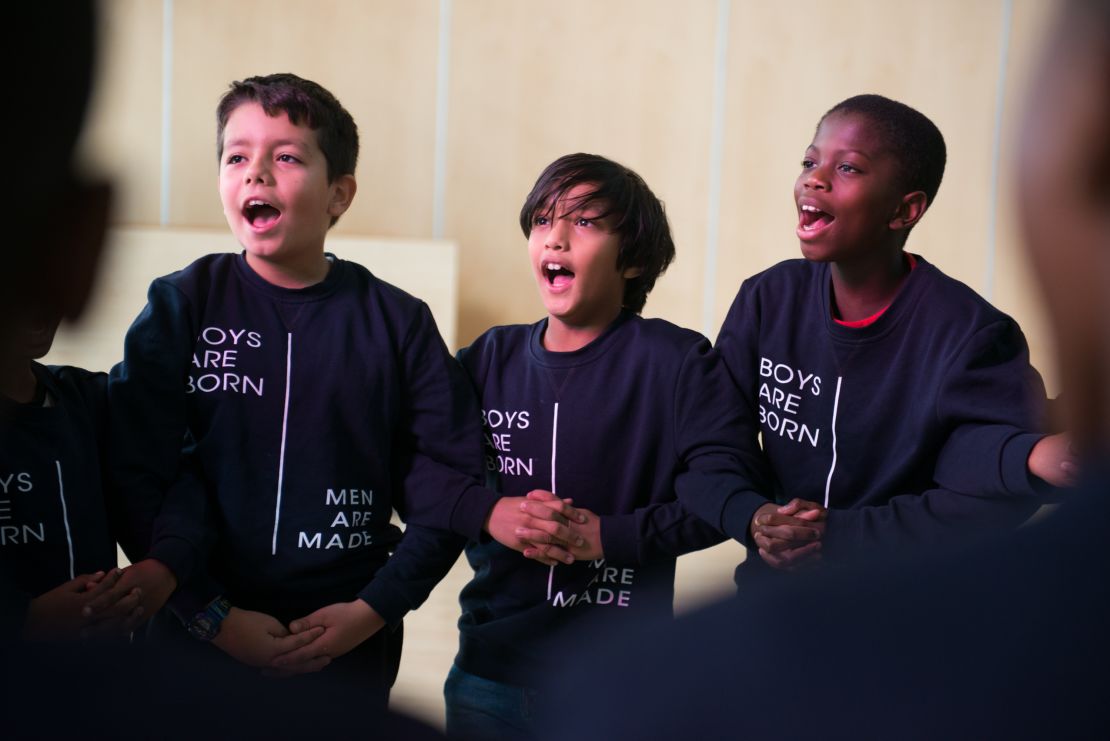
<point x="716" y="154"/>
<point x="65" y="520"/>
<point x="554" y="436"/>
<point x="284" y="430"/>
<point x="832" y="468"/>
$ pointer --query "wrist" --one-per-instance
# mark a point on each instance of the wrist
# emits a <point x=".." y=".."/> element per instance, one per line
<point x="207" y="624"/>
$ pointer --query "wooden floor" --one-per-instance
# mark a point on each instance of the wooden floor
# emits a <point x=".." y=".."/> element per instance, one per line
<point x="431" y="635"/>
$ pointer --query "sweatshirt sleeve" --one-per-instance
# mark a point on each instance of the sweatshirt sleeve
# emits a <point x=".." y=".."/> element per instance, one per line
<point x="990" y="401"/>
<point x="422" y="559"/>
<point x="727" y="477"/>
<point x="993" y="402"/>
<point x="442" y="487"/>
<point x="147" y="411"/>
<point x="931" y="518"/>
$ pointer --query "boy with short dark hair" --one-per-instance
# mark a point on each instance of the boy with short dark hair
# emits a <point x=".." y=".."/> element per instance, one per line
<point x="305" y="386"/>
<point x="596" y="403"/>
<point x="896" y="405"/>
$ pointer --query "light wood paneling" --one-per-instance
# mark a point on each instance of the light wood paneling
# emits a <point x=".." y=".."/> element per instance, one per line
<point x="533" y="81"/>
<point x="789" y="63"/>
<point x="378" y="58"/>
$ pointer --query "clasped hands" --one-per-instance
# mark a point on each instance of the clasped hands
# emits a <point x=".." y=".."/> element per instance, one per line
<point x="546" y="528"/>
<point x="789" y="536"/>
<point x="101" y="605"/>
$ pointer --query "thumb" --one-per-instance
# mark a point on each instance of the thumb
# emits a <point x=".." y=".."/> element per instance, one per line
<point x="541" y="495"/>
<point x="308" y="622"/>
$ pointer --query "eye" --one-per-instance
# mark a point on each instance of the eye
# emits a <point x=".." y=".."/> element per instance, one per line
<point x="851" y="169"/>
<point x="807" y="163"/>
<point x="287" y="158"/>
<point x="540" y="220"/>
<point x="234" y="159"/>
<point x="583" y="221"/>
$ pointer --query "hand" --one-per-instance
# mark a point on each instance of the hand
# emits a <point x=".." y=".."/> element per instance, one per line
<point x="586" y="545"/>
<point x="256" y="639"/>
<point x="344" y="624"/>
<point x="1053" y="461"/>
<point x="521" y="522"/>
<point x="151" y="578"/>
<point x="62" y="613"/>
<point x="789" y="535"/>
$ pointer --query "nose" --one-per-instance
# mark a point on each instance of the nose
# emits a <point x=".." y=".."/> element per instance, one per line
<point x="815" y="178"/>
<point x="256" y="172"/>
<point x="556" y="238"/>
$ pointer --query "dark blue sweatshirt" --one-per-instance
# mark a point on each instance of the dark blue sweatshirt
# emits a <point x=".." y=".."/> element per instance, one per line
<point x="303" y="409"/>
<point x="909" y="430"/>
<point x="56" y="522"/>
<point x="620" y="426"/>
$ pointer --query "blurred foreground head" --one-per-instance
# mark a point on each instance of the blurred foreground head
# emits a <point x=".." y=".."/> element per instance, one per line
<point x="1064" y="190"/>
<point x="56" y="218"/>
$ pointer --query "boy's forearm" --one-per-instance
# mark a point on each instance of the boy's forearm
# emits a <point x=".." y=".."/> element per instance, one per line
<point x="422" y="559"/>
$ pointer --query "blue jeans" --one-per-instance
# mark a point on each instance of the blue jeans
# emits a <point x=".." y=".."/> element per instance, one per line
<point x="480" y="709"/>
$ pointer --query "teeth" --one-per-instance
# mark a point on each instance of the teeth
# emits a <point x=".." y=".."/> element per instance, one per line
<point x="807" y="207"/>
<point x="257" y="202"/>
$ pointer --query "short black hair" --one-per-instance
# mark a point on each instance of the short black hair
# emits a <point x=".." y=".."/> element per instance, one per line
<point x="303" y="101"/>
<point x="915" y="141"/>
<point x="635" y="215"/>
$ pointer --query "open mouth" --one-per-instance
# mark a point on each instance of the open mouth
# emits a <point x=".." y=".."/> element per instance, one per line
<point x="260" y="214"/>
<point x="812" y="219"/>
<point x="557" y="275"/>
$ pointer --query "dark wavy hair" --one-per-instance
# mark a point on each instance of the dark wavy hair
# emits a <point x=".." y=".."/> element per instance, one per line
<point x="636" y="216"/>
<point x="304" y="102"/>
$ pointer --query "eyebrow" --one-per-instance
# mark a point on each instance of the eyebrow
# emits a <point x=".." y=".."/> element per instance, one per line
<point x="840" y="152"/>
<point x="279" y="143"/>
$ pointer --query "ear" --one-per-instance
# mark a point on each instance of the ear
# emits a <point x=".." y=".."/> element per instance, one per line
<point x="342" y="193"/>
<point x="910" y="210"/>
<point x="630" y="273"/>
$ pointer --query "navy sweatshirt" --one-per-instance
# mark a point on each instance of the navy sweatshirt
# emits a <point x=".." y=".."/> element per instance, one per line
<point x="909" y="430"/>
<point x="302" y="410"/>
<point x="56" y="522"/>
<point x="619" y="425"/>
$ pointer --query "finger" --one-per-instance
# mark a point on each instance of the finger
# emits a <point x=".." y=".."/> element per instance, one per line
<point x="558" y="534"/>
<point x="88" y="581"/>
<point x="302" y="624"/>
<point x="542" y="495"/>
<point x="813" y="515"/>
<point x="797" y="556"/>
<point x="773" y="545"/>
<point x="545" y="510"/>
<point x="772" y="560"/>
<point x="294" y="641"/>
<point x="554" y="553"/>
<point x="790" y="507"/>
<point x="553" y="510"/>
<point x="790" y="533"/>
<point x="105" y="594"/>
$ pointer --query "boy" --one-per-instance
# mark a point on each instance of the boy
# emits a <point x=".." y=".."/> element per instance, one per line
<point x="57" y="525"/>
<point x="1003" y="640"/>
<point x="597" y="403"/>
<point x="894" y="403"/>
<point x="305" y="385"/>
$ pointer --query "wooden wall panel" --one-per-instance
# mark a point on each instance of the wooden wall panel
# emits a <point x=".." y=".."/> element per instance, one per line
<point x="377" y="57"/>
<point x="533" y="81"/>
